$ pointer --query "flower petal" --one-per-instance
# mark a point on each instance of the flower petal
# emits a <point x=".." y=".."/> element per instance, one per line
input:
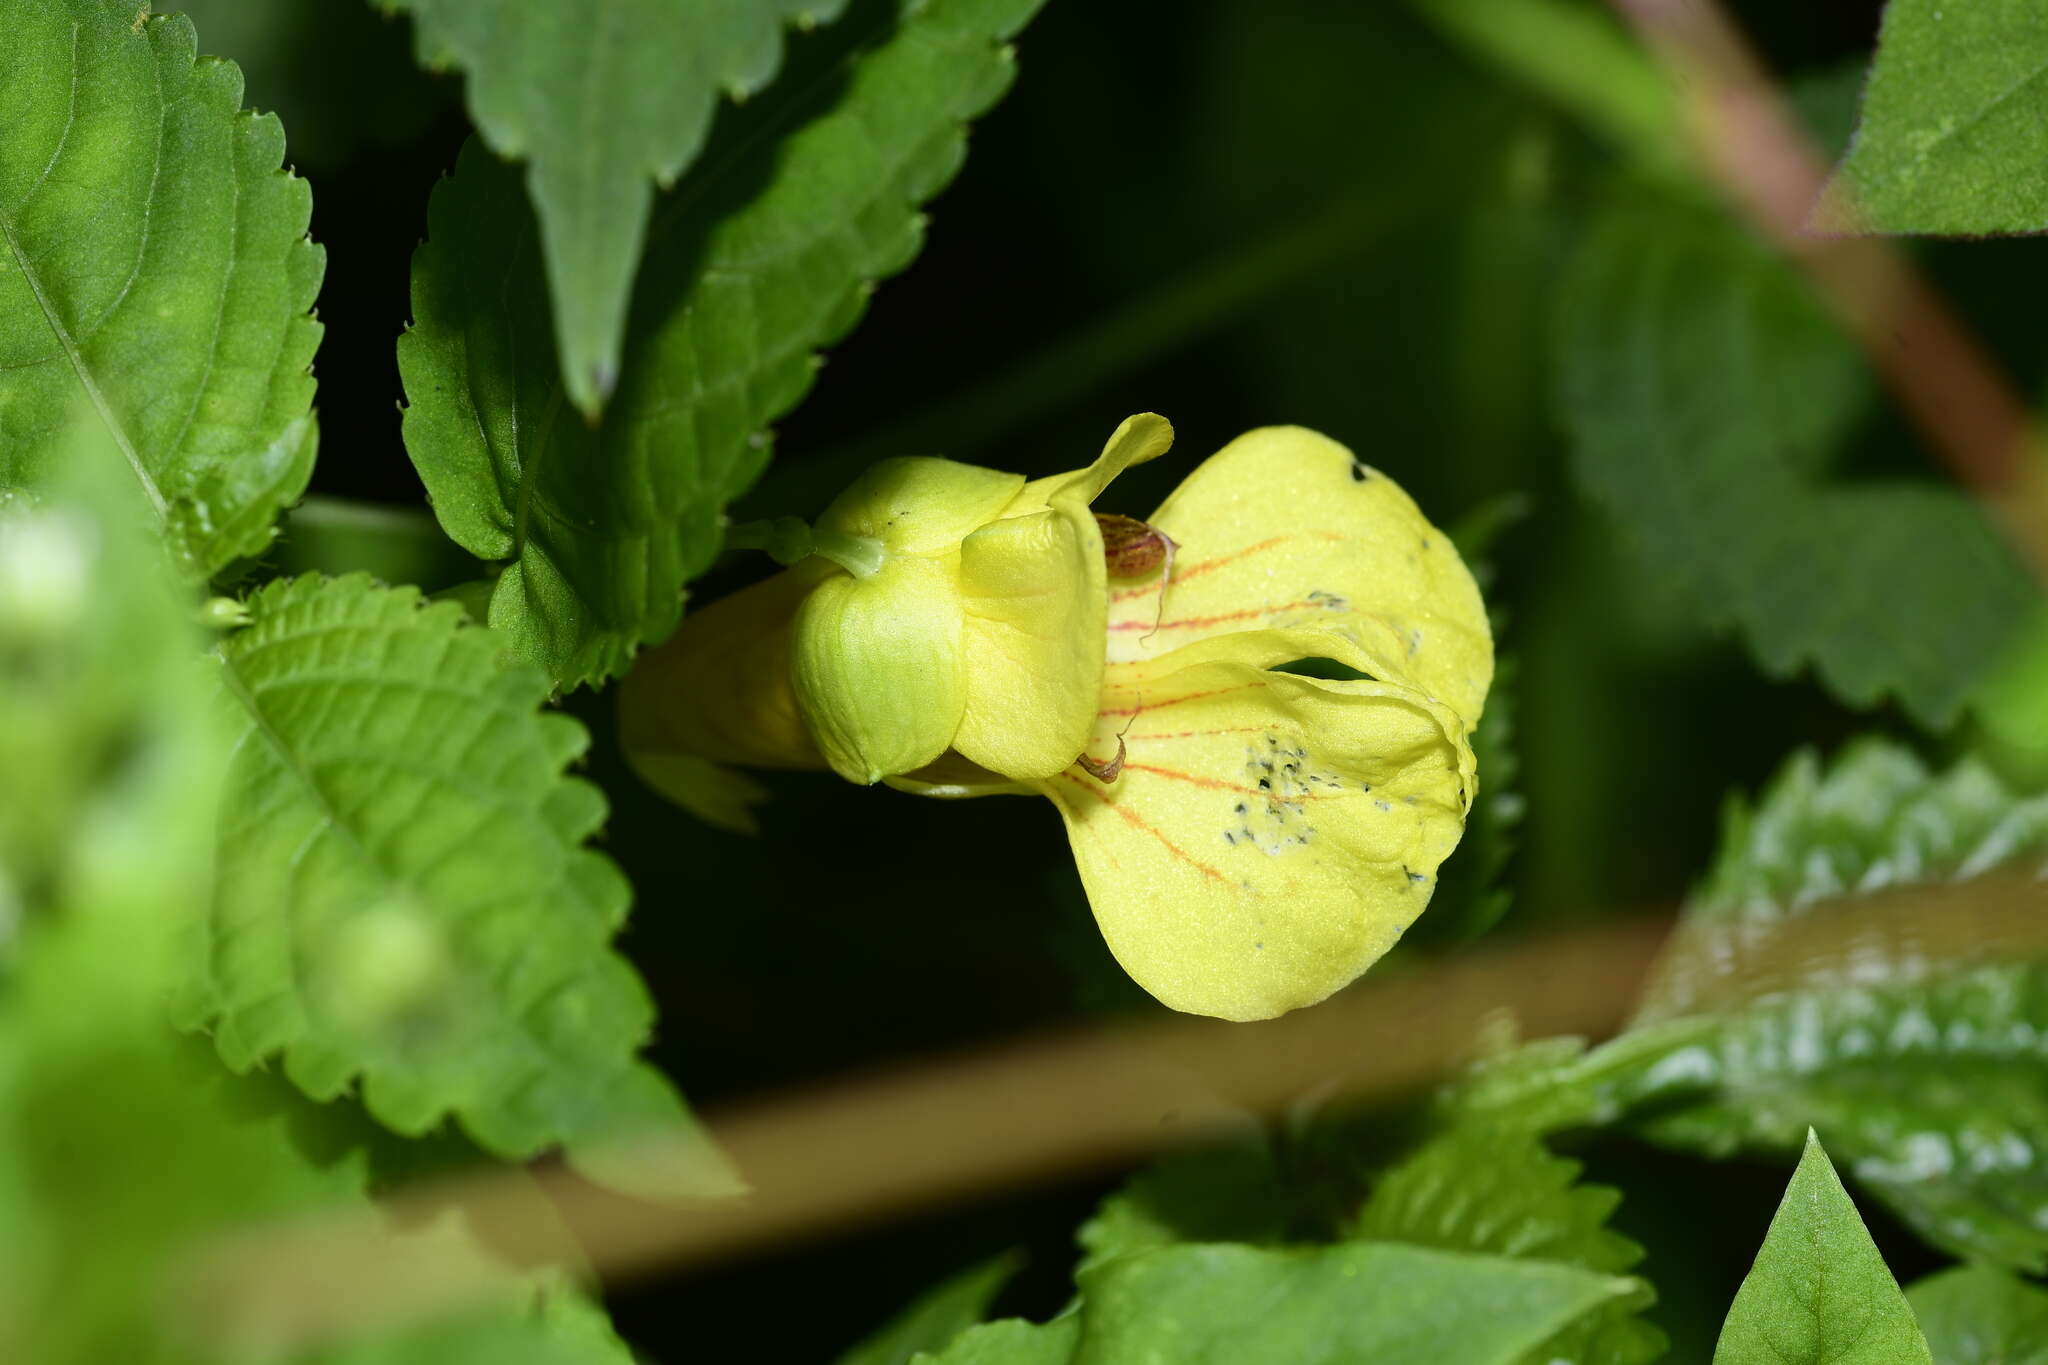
<point x="1285" y="528"/>
<point x="1269" y="836"/>
<point x="878" y="668"/>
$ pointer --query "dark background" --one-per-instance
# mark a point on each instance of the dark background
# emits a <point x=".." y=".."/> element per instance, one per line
<point x="1232" y="214"/>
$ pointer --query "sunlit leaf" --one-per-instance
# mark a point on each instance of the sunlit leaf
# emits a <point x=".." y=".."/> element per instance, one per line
<point x="1819" y="1292"/>
<point x="1497" y="1190"/>
<point x="154" y="270"/>
<point x="1208" y="1305"/>
<point x="764" y="253"/>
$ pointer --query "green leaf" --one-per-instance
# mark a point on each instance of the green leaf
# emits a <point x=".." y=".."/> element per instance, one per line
<point x="404" y="895"/>
<point x="1495" y="1189"/>
<point x="1703" y="390"/>
<point x="1954" y="126"/>
<point x="154" y="268"/>
<point x="1225" y="1193"/>
<point x="1194" y="1305"/>
<point x="1819" y="1293"/>
<point x="1011" y="1342"/>
<point x="1926" y="1082"/>
<point x="1977" y="1315"/>
<point x="936" y="1317"/>
<point x="764" y="253"/>
<point x="603" y="101"/>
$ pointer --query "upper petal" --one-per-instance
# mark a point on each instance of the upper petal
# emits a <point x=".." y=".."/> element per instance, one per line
<point x="1285" y="528"/>
<point x="1269" y="836"/>
<point x="878" y="667"/>
<point x="1034" y="592"/>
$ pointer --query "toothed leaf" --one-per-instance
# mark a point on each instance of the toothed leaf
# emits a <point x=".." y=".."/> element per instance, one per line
<point x="603" y="99"/>
<point x="404" y="899"/>
<point x="764" y="253"/>
<point x="154" y="271"/>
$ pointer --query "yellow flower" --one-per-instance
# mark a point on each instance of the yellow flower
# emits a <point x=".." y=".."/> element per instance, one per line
<point x="1250" y="839"/>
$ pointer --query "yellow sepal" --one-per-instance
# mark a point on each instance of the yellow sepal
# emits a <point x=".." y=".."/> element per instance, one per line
<point x="917" y="504"/>
<point x="877" y="668"/>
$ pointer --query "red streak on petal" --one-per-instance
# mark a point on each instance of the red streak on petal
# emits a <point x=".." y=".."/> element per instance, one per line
<point x="1223" y="618"/>
<point x="1218" y="784"/>
<point x="1202" y="734"/>
<point x="1198" y="568"/>
<point x="1176" y="701"/>
<point x="1139" y="822"/>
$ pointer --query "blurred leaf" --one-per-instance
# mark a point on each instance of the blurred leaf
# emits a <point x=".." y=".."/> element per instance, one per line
<point x="404" y="896"/>
<point x="1226" y="1193"/>
<point x="605" y="99"/>
<point x="1977" y="1315"/>
<point x="1194" y="1305"/>
<point x="1497" y="1190"/>
<point x="936" y="1317"/>
<point x="336" y="536"/>
<point x="1819" y="1292"/>
<point x="1578" y="56"/>
<point x="1011" y="1342"/>
<point x="1703" y="390"/>
<point x="156" y="268"/>
<point x="553" y="1326"/>
<point x="119" y="1142"/>
<point x="106" y="772"/>
<point x="341" y="76"/>
<point x="1954" y="125"/>
<point x="767" y="251"/>
<point x="1929" y="1082"/>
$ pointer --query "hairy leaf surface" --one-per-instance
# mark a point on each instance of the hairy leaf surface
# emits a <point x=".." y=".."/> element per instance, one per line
<point x="764" y="253"/>
<point x="154" y="269"/>
<point x="1954" y="128"/>
<point x="1819" y="1292"/>
<point x="603" y="99"/>
<point x="1497" y="1190"/>
<point x="404" y="896"/>
<point x="1703" y="392"/>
